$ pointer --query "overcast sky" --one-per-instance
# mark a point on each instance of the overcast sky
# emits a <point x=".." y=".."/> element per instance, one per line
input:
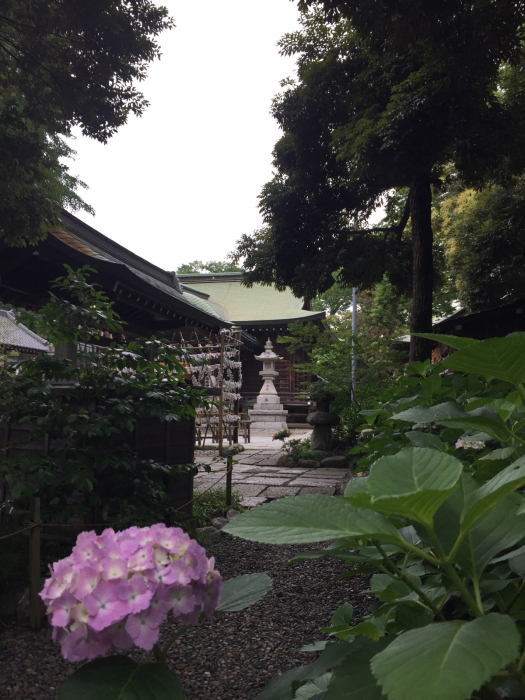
<point x="181" y="183"/>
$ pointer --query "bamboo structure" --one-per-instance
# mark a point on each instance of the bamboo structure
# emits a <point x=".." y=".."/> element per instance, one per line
<point x="214" y="362"/>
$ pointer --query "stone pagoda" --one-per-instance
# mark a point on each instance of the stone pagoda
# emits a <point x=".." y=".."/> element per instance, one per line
<point x="268" y="411"/>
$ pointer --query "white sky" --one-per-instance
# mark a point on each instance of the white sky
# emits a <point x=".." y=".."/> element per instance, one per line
<point x="181" y="183"/>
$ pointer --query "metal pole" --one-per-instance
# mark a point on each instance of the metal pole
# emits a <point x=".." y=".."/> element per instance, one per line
<point x="354" y="330"/>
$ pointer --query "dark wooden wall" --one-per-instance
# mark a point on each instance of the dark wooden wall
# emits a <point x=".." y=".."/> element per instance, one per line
<point x="167" y="442"/>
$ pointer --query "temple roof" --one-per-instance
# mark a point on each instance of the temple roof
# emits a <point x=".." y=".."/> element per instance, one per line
<point x="245" y="305"/>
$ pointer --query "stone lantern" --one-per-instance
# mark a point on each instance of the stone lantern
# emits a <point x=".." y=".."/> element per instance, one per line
<point x="268" y="411"/>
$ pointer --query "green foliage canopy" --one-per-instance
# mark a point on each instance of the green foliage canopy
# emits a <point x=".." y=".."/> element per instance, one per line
<point x="385" y="98"/>
<point x="63" y="64"/>
<point x="483" y="232"/>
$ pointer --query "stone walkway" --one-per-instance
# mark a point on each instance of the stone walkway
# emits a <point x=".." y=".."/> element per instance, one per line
<point x="257" y="478"/>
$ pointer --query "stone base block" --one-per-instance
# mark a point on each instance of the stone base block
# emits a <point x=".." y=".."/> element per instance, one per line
<point x="273" y="427"/>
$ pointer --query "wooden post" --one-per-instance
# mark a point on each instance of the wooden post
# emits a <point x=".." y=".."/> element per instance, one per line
<point x="221" y="410"/>
<point x="35" y="604"/>
<point x="229" y="470"/>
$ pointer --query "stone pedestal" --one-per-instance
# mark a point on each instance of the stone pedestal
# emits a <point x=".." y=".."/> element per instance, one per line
<point x="268" y="412"/>
<point x="322" y="432"/>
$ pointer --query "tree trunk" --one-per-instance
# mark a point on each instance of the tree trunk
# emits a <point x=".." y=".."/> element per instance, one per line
<point x="420" y="202"/>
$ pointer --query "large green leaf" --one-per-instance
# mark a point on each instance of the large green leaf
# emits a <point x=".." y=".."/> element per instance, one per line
<point x="282" y="687"/>
<point x="413" y="483"/>
<point x="312" y="518"/>
<point x="312" y="690"/>
<point x="495" y="357"/>
<point x="343" y="615"/>
<point x="353" y="679"/>
<point x="493" y="491"/>
<point x="498" y="529"/>
<point x="446" y="660"/>
<point x="453" y="416"/>
<point x="453" y="341"/>
<point x="357" y="492"/>
<point x="121" y="678"/>
<point x="420" y="439"/>
<point x="241" y="592"/>
<point x="412" y="616"/>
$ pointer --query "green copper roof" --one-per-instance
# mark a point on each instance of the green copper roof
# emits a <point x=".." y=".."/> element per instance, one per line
<point x="247" y="304"/>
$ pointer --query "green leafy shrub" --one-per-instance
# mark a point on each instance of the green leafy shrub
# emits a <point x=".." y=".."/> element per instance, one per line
<point x="427" y="407"/>
<point x="212" y="504"/>
<point x="86" y="411"/>
<point x="441" y="534"/>
<point x="300" y="449"/>
<point x="282" y="434"/>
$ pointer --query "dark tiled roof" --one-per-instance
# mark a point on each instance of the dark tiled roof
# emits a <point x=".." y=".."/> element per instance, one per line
<point x="94" y="244"/>
<point x="16" y="335"/>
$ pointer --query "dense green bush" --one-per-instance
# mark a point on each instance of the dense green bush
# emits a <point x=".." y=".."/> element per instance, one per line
<point x="87" y="411"/>
<point x="440" y="531"/>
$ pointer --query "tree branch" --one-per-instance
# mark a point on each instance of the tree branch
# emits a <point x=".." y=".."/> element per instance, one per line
<point x="404" y="220"/>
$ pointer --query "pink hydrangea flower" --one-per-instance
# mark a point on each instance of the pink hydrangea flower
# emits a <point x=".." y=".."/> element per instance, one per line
<point x="116" y="589"/>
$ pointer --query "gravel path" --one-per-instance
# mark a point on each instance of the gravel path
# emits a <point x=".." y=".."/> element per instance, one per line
<point x="231" y="657"/>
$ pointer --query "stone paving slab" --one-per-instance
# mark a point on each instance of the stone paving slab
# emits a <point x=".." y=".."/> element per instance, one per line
<point x="268" y="481"/>
<point x="325" y="490"/>
<point x="289" y="474"/>
<point x="312" y="474"/>
<point x="265" y="470"/>
<point x="329" y="472"/>
<point x="257" y="478"/>
<point x="249" y="489"/>
<point x="244" y="468"/>
<point x="252" y="502"/>
<point x="278" y="491"/>
<point x="311" y="482"/>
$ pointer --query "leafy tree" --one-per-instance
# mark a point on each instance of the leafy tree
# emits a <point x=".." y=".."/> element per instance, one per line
<point x="387" y="95"/>
<point x="35" y="184"/>
<point x="77" y="63"/>
<point x="486" y="247"/>
<point x="197" y="266"/>
<point x="64" y="63"/>
<point x="337" y="299"/>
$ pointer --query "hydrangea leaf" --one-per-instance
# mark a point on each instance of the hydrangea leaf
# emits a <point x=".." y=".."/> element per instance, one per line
<point x="446" y="660"/>
<point x="413" y="483"/>
<point x="496" y="357"/>
<point x="453" y="341"/>
<point x="500" y="528"/>
<point x="453" y="416"/>
<point x="312" y="518"/>
<point x="282" y="687"/>
<point x="353" y="679"/>
<point x="420" y="439"/>
<point x="121" y="678"/>
<point x="493" y="491"/>
<point x="241" y="592"/>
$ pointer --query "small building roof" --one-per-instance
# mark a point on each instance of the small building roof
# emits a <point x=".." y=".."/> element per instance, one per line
<point x="17" y="336"/>
<point x="247" y="305"/>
